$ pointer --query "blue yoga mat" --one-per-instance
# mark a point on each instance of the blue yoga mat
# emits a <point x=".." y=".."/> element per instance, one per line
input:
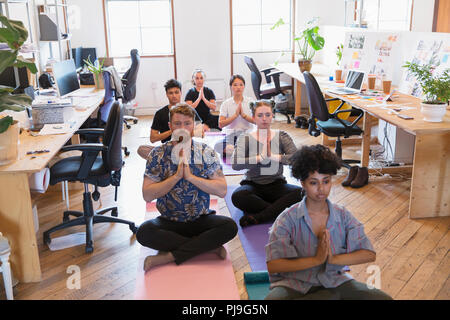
<point x="253" y="238"/>
<point x="257" y="284"/>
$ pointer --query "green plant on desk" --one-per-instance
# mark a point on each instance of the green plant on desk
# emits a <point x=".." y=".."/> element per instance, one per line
<point x="308" y="42"/>
<point x="436" y="88"/>
<point x="96" y="69"/>
<point x="13" y="34"/>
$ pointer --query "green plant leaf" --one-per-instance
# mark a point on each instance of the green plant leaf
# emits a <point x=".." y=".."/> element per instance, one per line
<point x="5" y="123"/>
<point x="15" y="102"/>
<point x="13" y="33"/>
<point x="7" y="58"/>
<point x="22" y="62"/>
<point x="277" y="24"/>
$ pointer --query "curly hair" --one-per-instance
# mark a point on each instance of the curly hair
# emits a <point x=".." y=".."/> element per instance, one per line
<point x="314" y="158"/>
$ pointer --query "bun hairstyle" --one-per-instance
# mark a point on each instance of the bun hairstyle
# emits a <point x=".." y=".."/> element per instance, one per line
<point x="263" y="102"/>
<point x="195" y="72"/>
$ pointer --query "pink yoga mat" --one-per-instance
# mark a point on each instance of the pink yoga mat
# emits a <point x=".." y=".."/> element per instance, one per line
<point x="205" y="277"/>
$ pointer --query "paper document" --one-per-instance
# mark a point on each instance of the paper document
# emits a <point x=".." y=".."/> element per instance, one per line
<point x="55" y="128"/>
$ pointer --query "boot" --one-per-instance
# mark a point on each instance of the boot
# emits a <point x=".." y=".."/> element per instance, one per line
<point x="362" y="178"/>
<point x="351" y="176"/>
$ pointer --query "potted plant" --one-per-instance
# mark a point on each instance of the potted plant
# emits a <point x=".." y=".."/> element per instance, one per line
<point x="307" y="43"/>
<point x="97" y="70"/>
<point x="338" y="72"/>
<point x="13" y="34"/>
<point x="435" y="89"/>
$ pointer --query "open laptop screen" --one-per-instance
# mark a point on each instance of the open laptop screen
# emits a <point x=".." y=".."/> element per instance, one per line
<point x="354" y="79"/>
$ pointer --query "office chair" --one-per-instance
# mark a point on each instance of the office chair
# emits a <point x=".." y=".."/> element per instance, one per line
<point x="90" y="168"/>
<point x="270" y="88"/>
<point x="129" y="84"/>
<point x="327" y="123"/>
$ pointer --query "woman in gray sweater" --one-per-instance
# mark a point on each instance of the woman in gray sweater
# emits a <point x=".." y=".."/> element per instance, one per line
<point x="264" y="192"/>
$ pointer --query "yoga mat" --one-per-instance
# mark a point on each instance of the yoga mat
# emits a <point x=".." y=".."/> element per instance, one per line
<point x="253" y="238"/>
<point x="205" y="277"/>
<point x="257" y="284"/>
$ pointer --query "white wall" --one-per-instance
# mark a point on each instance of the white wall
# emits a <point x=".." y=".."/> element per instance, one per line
<point x="422" y="17"/>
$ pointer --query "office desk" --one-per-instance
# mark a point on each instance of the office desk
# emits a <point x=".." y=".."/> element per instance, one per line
<point x="430" y="184"/>
<point x="16" y="216"/>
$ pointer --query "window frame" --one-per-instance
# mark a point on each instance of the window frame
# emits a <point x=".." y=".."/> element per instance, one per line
<point x="291" y="33"/>
<point x="108" y="36"/>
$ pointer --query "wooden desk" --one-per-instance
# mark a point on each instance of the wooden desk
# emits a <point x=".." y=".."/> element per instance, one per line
<point x="16" y="216"/>
<point x="430" y="184"/>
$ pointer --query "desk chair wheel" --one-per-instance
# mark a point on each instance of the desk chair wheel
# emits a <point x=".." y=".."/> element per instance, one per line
<point x="114" y="212"/>
<point x="125" y="150"/>
<point x="128" y="126"/>
<point x="47" y="239"/>
<point x="135" y="121"/>
<point x="89" y="247"/>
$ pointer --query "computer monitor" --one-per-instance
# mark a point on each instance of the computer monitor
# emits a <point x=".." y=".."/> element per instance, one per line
<point x="88" y="52"/>
<point x="76" y="54"/>
<point x="8" y="78"/>
<point x="66" y="77"/>
<point x="355" y="79"/>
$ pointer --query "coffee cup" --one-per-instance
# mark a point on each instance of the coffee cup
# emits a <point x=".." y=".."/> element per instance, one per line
<point x="387" y="86"/>
<point x="371" y="78"/>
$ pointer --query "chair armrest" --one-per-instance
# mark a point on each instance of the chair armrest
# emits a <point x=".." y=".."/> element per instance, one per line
<point x="124" y="81"/>
<point x="347" y="127"/>
<point x="92" y="147"/>
<point x="266" y="72"/>
<point x="276" y="79"/>
<point x="94" y="131"/>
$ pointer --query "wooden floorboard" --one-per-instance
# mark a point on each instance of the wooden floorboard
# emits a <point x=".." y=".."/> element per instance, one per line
<point x="413" y="255"/>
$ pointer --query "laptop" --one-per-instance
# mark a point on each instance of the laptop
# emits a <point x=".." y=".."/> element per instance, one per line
<point x="353" y="83"/>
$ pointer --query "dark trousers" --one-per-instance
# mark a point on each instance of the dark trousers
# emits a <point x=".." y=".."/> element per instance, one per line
<point x="266" y="201"/>
<point x="212" y="122"/>
<point x="350" y="290"/>
<point x="186" y="239"/>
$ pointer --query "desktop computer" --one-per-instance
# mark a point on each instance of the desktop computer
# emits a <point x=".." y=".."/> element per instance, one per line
<point x="66" y="78"/>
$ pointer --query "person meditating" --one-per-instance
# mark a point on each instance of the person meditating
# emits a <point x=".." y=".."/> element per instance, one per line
<point x="264" y="192"/>
<point x="203" y="100"/>
<point x="235" y="117"/>
<point x="181" y="174"/>
<point x="312" y="242"/>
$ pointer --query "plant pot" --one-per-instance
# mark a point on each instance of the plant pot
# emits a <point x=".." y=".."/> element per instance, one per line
<point x="9" y="144"/>
<point x="433" y="112"/>
<point x="338" y="74"/>
<point x="98" y="80"/>
<point x="305" y="65"/>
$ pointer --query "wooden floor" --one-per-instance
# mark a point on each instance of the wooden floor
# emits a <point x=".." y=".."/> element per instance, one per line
<point x="413" y="255"/>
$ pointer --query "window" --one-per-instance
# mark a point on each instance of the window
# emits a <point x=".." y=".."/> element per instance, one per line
<point x="388" y="14"/>
<point x="252" y="20"/>
<point x="145" y="25"/>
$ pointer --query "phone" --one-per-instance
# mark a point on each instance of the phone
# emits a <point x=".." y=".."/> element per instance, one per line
<point x="404" y="116"/>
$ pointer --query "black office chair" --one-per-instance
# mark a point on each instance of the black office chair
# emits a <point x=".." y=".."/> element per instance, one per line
<point x="327" y="123"/>
<point x="90" y="168"/>
<point x="129" y="84"/>
<point x="270" y="88"/>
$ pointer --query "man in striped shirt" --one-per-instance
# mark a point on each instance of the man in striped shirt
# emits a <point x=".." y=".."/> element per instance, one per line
<point x="313" y="241"/>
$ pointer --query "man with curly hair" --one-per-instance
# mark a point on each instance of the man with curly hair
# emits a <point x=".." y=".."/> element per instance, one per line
<point x="181" y="174"/>
<point x="312" y="242"/>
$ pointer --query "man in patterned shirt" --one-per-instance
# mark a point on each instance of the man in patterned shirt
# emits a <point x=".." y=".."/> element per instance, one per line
<point x="312" y="242"/>
<point x="181" y="175"/>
